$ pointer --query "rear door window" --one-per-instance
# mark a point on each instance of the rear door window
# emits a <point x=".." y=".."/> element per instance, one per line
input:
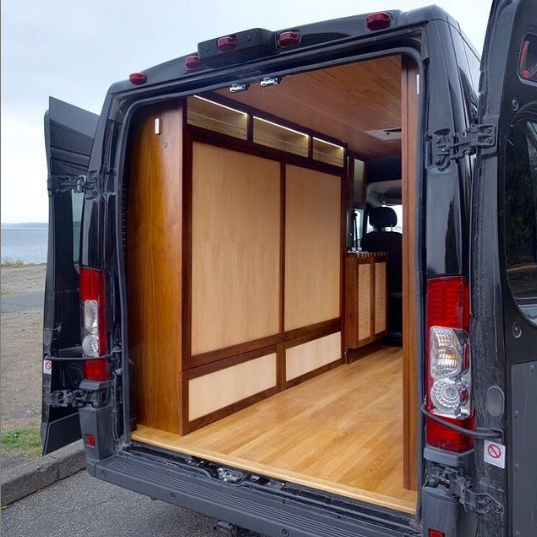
<point x="521" y="214"/>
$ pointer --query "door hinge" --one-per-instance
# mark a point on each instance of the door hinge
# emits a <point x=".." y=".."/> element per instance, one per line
<point x="63" y="183"/>
<point x="79" y="398"/>
<point x="447" y="146"/>
<point x="461" y="487"/>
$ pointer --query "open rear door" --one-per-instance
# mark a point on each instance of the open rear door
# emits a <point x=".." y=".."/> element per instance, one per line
<point x="69" y="133"/>
<point x="504" y="273"/>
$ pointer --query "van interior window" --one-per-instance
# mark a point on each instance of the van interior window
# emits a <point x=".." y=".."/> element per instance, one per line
<point x="273" y="339"/>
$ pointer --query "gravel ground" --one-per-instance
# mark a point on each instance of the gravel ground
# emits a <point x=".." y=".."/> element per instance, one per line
<point x="21" y="327"/>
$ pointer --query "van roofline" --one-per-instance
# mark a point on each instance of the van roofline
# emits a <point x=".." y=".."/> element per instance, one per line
<point x="335" y="30"/>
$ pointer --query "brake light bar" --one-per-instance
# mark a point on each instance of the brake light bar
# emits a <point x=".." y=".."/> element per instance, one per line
<point x="448" y="362"/>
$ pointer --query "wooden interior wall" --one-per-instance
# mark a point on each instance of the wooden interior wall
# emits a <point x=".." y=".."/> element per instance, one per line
<point x="154" y="244"/>
<point x="312" y="247"/>
<point x="410" y="107"/>
<point x="235" y="247"/>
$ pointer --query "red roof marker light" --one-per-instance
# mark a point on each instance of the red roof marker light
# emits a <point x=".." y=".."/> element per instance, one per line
<point x="137" y="78"/>
<point x="226" y="43"/>
<point x="378" y="21"/>
<point x="288" y="39"/>
<point x="193" y="62"/>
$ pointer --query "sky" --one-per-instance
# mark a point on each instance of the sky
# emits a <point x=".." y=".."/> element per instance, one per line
<point x="74" y="50"/>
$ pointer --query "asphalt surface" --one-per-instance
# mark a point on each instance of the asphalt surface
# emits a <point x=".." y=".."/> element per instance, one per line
<point x="21" y="301"/>
<point x="82" y="505"/>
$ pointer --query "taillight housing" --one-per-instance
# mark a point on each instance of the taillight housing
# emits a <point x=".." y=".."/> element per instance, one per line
<point x="449" y="381"/>
<point x="94" y="331"/>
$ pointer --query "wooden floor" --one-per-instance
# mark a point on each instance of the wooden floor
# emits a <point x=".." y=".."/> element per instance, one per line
<point x="341" y="432"/>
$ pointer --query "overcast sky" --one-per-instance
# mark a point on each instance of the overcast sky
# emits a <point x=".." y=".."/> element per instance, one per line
<point x="74" y="50"/>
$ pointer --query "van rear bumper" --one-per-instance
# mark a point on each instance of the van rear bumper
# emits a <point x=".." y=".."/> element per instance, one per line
<point x="260" y="505"/>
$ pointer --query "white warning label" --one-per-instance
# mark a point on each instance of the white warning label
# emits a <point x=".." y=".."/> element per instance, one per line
<point x="495" y="453"/>
<point x="47" y="367"/>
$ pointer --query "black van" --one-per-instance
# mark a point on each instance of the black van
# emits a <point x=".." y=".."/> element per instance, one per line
<point x="292" y="279"/>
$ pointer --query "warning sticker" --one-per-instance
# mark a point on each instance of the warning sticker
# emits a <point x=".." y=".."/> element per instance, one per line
<point x="47" y="367"/>
<point x="495" y="453"/>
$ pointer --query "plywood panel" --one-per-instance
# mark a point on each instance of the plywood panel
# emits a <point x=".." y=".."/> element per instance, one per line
<point x="365" y="281"/>
<point x="344" y="102"/>
<point x="154" y="243"/>
<point x="312" y="247"/>
<point x="340" y="432"/>
<point x="380" y="297"/>
<point x="227" y="386"/>
<point x="235" y="248"/>
<point x="309" y="356"/>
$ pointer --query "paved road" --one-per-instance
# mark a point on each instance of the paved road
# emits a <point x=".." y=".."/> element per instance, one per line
<point x="22" y="300"/>
<point x="81" y="505"/>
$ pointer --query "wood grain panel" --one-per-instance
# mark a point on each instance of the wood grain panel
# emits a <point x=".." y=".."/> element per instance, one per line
<point x="235" y="248"/>
<point x="410" y="103"/>
<point x="344" y="102"/>
<point x="365" y="282"/>
<point x="227" y="386"/>
<point x="154" y="243"/>
<point x="380" y="297"/>
<point x="351" y="301"/>
<point x="312" y="247"/>
<point x="312" y="355"/>
<point x="319" y="434"/>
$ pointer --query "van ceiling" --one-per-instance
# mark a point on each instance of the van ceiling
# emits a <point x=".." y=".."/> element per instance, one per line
<point x="344" y="102"/>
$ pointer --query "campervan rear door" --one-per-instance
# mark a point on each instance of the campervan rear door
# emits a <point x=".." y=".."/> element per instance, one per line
<point x="504" y="274"/>
<point x="69" y="133"/>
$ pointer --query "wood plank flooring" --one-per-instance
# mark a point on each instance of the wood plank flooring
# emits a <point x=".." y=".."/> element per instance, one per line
<point x="341" y="432"/>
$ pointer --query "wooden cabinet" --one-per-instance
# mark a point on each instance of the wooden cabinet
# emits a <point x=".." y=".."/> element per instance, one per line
<point x="365" y="298"/>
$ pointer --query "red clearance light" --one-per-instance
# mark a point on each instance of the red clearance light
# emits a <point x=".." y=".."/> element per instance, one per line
<point x="90" y="440"/>
<point x="193" y="62"/>
<point x="137" y="78"/>
<point x="226" y="43"/>
<point x="436" y="533"/>
<point x="288" y="39"/>
<point x="378" y="21"/>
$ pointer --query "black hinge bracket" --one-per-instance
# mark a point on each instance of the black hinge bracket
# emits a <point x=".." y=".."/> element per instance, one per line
<point x="63" y="183"/>
<point x="79" y="398"/>
<point x="447" y="146"/>
<point x="461" y="487"/>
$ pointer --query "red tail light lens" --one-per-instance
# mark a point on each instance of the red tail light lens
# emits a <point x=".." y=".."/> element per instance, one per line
<point x="93" y="299"/>
<point x="193" y="62"/>
<point x="378" y="21"/>
<point x="448" y="362"/>
<point x="226" y="43"/>
<point x="288" y="39"/>
<point x="436" y="533"/>
<point x="137" y="78"/>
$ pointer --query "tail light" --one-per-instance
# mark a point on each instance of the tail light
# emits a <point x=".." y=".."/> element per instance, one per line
<point x="449" y="382"/>
<point x="94" y="336"/>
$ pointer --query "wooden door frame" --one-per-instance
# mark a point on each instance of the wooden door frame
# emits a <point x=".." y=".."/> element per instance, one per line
<point x="409" y="112"/>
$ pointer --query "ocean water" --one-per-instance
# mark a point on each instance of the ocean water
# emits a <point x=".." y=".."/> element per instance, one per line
<point x="26" y="243"/>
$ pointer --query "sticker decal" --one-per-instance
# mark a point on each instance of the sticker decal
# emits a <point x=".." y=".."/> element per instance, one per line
<point x="47" y="367"/>
<point x="494" y="453"/>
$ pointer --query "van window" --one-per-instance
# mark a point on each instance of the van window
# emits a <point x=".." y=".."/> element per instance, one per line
<point x="521" y="214"/>
<point x="399" y="212"/>
<point x="77" y="202"/>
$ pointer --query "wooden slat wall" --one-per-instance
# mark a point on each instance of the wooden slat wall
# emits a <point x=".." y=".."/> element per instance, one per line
<point x="235" y="248"/>
<point x="312" y="247"/>
<point x="380" y="297"/>
<point x="410" y="102"/>
<point x="154" y="244"/>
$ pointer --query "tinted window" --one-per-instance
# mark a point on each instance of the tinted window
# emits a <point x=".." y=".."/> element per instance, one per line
<point x="521" y="214"/>
<point x="77" y="201"/>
